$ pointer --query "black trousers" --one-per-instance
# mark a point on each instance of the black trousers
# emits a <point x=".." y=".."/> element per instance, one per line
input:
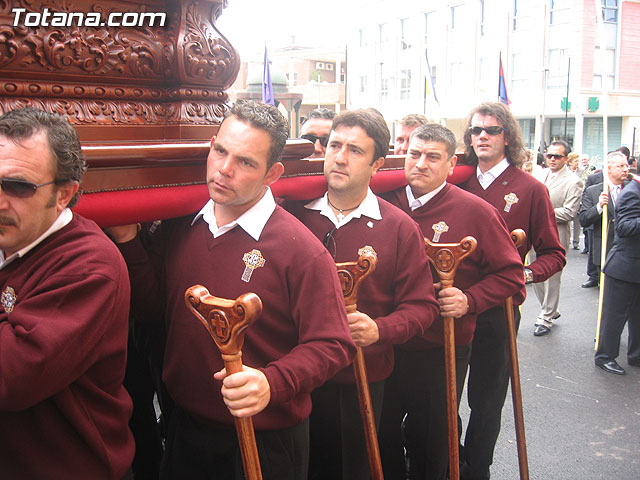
<point x="620" y="304"/>
<point x="489" y="370"/>
<point x="338" y="446"/>
<point x="196" y="451"/>
<point x="417" y="389"/>
<point x="593" y="272"/>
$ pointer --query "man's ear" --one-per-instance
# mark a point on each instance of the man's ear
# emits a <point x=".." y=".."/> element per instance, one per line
<point x="273" y="173"/>
<point x="377" y="165"/>
<point x="65" y="193"/>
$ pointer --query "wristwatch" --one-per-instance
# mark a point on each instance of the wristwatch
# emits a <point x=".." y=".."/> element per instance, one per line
<point x="528" y="276"/>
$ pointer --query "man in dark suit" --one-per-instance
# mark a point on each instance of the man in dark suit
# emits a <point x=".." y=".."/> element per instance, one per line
<point x="592" y="271"/>
<point x="593" y="201"/>
<point x="621" y="301"/>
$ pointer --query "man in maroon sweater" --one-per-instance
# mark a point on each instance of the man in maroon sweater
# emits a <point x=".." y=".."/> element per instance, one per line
<point x="395" y="303"/>
<point x="64" y="311"/>
<point x="417" y="386"/>
<point x="493" y="141"/>
<point x="301" y="339"/>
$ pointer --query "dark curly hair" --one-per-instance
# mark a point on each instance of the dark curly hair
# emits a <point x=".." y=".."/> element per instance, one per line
<point x="23" y="123"/>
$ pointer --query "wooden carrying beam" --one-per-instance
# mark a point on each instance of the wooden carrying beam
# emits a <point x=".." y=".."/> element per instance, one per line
<point x="146" y="181"/>
<point x="226" y="321"/>
<point x="445" y="258"/>
<point x="351" y="275"/>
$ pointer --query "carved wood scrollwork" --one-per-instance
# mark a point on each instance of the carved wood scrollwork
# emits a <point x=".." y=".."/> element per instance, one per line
<point x="172" y="74"/>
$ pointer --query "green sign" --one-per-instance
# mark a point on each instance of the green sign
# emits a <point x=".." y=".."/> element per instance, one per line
<point x="594" y="104"/>
<point x="564" y="105"/>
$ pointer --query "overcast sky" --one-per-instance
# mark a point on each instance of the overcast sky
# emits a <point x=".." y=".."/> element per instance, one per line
<point x="248" y="24"/>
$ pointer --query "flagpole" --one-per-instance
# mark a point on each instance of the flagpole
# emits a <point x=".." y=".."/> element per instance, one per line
<point x="566" y="110"/>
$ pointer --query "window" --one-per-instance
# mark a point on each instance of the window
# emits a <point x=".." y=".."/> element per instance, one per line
<point x="604" y="66"/>
<point x="482" y="18"/>
<point x="429" y="25"/>
<point x="455" y="16"/>
<point x="558" y="63"/>
<point x="383" y="33"/>
<point x="404" y="33"/>
<point x="363" y="38"/>
<point x="610" y="11"/>
<point x="405" y="84"/>
<point x="515" y="14"/>
<point x="384" y="87"/>
<point x="363" y="84"/>
<point x="559" y="12"/>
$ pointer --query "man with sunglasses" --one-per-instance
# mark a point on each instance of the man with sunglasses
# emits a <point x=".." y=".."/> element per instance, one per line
<point x="493" y="141"/>
<point x="565" y="190"/>
<point x="417" y="386"/>
<point x="316" y="129"/>
<point x="395" y="303"/>
<point x="64" y="309"/>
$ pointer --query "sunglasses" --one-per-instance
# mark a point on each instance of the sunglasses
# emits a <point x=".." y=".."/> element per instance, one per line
<point x="312" y="138"/>
<point x="20" y="188"/>
<point x="490" y="130"/>
<point x="555" y="156"/>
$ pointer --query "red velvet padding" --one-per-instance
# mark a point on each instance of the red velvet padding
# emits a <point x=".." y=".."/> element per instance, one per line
<point x="108" y="209"/>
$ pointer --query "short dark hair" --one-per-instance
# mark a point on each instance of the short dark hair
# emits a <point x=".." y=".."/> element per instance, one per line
<point x="265" y="117"/>
<point x="371" y="122"/>
<point x="413" y="120"/>
<point x="514" y="151"/>
<point x="323" y="113"/>
<point x="624" y="150"/>
<point x="434" y="132"/>
<point x="23" y="123"/>
<point x="563" y="144"/>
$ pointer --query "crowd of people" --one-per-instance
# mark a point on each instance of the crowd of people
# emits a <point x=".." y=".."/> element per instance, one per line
<point x="76" y="301"/>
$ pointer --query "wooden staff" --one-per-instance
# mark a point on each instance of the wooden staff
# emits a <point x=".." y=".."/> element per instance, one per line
<point x="445" y="258"/>
<point x="226" y="321"/>
<point x="351" y="275"/>
<point x="603" y="248"/>
<point x="518" y="236"/>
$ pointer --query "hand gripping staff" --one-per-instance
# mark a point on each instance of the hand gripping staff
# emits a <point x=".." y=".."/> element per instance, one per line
<point x="226" y="320"/>
<point x="518" y="236"/>
<point x="351" y="274"/>
<point x="445" y="258"/>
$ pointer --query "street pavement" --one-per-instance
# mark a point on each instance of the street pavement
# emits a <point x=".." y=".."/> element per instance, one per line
<point x="581" y="423"/>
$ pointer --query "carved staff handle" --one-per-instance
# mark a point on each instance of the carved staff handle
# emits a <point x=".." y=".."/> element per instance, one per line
<point x="226" y="321"/>
<point x="519" y="237"/>
<point x="445" y="258"/>
<point x="351" y="275"/>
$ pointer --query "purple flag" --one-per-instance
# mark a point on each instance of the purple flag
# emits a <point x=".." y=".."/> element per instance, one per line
<point x="267" y="88"/>
<point x="502" y="86"/>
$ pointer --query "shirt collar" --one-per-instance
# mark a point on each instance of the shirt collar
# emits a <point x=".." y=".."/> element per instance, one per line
<point x="416" y="203"/>
<point x="485" y="179"/>
<point x="252" y="221"/>
<point x="369" y="208"/>
<point x="61" y="221"/>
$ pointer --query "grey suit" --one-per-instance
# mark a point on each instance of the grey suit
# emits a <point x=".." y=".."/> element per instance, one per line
<point x="565" y="190"/>
<point x="621" y="296"/>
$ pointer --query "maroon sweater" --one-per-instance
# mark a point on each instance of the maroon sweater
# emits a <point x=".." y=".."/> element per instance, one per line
<point x="533" y="213"/>
<point x="399" y="294"/>
<point x="486" y="276"/>
<point x="301" y="339"/>
<point x="63" y="410"/>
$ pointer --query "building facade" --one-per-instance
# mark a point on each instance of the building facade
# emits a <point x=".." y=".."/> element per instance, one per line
<point x="565" y="70"/>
